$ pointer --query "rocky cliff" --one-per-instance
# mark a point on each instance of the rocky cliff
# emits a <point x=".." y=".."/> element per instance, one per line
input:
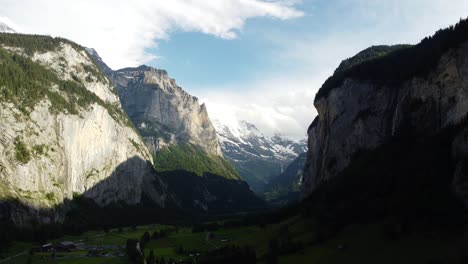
<point x="64" y="133"/>
<point x="163" y="112"/>
<point x="182" y="140"/>
<point x="409" y="94"/>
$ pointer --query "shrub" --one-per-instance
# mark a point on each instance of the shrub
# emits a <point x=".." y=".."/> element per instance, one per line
<point x="22" y="153"/>
<point x="50" y="196"/>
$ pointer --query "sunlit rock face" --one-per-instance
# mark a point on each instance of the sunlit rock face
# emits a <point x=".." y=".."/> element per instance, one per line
<point x="180" y="136"/>
<point x="163" y="111"/>
<point x="94" y="152"/>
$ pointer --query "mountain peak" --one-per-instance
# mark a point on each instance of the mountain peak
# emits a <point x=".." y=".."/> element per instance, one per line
<point x="247" y="148"/>
<point x="144" y="68"/>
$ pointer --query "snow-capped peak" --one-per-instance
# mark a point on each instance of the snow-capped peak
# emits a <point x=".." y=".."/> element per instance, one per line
<point x="245" y="137"/>
<point x="255" y="155"/>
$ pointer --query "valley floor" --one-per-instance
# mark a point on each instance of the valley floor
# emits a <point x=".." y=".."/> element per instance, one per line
<point x="355" y="244"/>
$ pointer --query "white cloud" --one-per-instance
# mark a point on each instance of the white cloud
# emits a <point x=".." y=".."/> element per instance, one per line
<point x="281" y="105"/>
<point x="6" y="21"/>
<point x="285" y="105"/>
<point x="121" y="31"/>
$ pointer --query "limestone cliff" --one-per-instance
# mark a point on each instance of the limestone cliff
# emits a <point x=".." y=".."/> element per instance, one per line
<point x="64" y="133"/>
<point x="182" y="139"/>
<point x="163" y="111"/>
<point x="416" y="92"/>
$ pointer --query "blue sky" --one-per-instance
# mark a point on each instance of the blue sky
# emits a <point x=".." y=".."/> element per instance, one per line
<point x="256" y="60"/>
<point x="199" y="60"/>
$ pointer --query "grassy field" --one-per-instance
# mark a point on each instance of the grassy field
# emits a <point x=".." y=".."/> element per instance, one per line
<point x="355" y="244"/>
<point x="368" y="244"/>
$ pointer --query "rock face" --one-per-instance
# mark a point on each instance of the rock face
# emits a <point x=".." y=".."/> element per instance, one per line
<point x="49" y="154"/>
<point x="360" y="115"/>
<point x="163" y="112"/>
<point x="258" y="158"/>
<point x="179" y="134"/>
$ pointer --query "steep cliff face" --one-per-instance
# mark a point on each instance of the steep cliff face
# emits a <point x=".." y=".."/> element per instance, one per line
<point x="163" y="112"/>
<point x="358" y="114"/>
<point x="64" y="133"/>
<point x="182" y="140"/>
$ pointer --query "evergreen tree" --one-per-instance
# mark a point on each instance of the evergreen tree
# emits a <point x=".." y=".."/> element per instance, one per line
<point x="151" y="259"/>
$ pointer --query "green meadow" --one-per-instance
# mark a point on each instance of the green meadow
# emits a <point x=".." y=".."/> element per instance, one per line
<point x="354" y="244"/>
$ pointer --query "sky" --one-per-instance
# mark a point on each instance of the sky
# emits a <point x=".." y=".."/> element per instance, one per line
<point x="261" y="61"/>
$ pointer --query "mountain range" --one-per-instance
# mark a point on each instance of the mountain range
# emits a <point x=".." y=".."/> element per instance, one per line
<point x="257" y="158"/>
<point x="179" y="134"/>
<point x="77" y="134"/>
<point x="383" y="175"/>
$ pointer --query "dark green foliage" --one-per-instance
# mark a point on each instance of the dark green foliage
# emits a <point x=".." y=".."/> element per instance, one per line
<point x="401" y="64"/>
<point x="180" y="250"/>
<point x="85" y="214"/>
<point x="371" y="53"/>
<point x="284" y="188"/>
<point x="406" y="182"/>
<point x="231" y="194"/>
<point x="229" y="255"/>
<point x="282" y="244"/>
<point x="136" y="145"/>
<point x="205" y="227"/>
<point x="94" y="71"/>
<point x="39" y="149"/>
<point x="24" y="83"/>
<point x="38" y="43"/>
<point x="10" y="232"/>
<point x="50" y="196"/>
<point x="272" y="254"/>
<point x="35" y="43"/>
<point x="22" y="153"/>
<point x="144" y="240"/>
<point x="7" y="234"/>
<point x="151" y="258"/>
<point x="161" y="234"/>
<point x="192" y="158"/>
<point x="133" y="253"/>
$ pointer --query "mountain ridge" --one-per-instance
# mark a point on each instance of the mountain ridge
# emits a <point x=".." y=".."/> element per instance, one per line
<point x="389" y="141"/>
<point x="63" y="132"/>
<point x="256" y="156"/>
<point x="179" y="134"/>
